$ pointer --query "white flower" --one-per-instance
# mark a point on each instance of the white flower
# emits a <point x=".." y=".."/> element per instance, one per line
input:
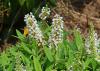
<point x="96" y="42"/>
<point x="44" y="13"/>
<point x="34" y="30"/>
<point x="56" y="35"/>
<point x="95" y="49"/>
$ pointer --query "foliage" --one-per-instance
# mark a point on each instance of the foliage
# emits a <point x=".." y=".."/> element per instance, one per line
<point x="68" y="55"/>
<point x="26" y="55"/>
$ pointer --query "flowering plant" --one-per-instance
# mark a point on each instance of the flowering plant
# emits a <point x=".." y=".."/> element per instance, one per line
<point x="27" y="55"/>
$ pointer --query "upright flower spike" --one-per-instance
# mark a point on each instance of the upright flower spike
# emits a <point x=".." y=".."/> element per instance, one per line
<point x="56" y="35"/>
<point x="45" y="12"/>
<point x="33" y="27"/>
<point x="95" y="44"/>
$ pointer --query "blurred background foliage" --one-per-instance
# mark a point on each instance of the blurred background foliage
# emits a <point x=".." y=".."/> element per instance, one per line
<point x="12" y="15"/>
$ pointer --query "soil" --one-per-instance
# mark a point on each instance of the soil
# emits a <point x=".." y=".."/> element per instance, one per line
<point x="79" y="13"/>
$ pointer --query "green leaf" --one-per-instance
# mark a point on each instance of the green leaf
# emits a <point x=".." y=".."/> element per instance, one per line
<point x="78" y="40"/>
<point x="30" y="4"/>
<point x="44" y="26"/>
<point x="4" y="60"/>
<point x="20" y="36"/>
<point x="27" y="62"/>
<point x="48" y="54"/>
<point x="26" y="48"/>
<point x="87" y="62"/>
<point x="60" y="51"/>
<point x="10" y="68"/>
<point x="53" y="2"/>
<point x="93" y="64"/>
<point x="49" y="68"/>
<point x="21" y="2"/>
<point x="37" y="64"/>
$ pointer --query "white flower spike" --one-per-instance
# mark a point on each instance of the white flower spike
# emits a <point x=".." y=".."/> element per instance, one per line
<point x="96" y="45"/>
<point x="33" y="27"/>
<point x="56" y="35"/>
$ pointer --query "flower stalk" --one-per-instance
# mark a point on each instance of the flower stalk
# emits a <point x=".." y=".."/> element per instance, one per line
<point x="34" y="30"/>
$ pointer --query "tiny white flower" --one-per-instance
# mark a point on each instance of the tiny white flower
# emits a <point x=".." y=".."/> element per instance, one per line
<point x="33" y="27"/>
<point x="96" y="41"/>
<point x="56" y="35"/>
<point x="95" y="48"/>
<point x="44" y="13"/>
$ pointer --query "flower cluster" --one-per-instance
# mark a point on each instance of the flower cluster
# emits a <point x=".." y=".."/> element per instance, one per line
<point x="33" y="27"/>
<point x="56" y="35"/>
<point x="44" y="13"/>
<point x="96" y="45"/>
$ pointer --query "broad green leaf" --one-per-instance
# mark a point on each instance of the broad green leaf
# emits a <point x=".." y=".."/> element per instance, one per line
<point x="48" y="54"/>
<point x="37" y="64"/>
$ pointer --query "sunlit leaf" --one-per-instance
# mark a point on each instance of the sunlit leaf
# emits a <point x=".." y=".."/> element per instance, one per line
<point x="48" y="54"/>
<point x="37" y="64"/>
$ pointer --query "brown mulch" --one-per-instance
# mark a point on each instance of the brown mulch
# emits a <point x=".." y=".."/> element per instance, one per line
<point x="79" y="18"/>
